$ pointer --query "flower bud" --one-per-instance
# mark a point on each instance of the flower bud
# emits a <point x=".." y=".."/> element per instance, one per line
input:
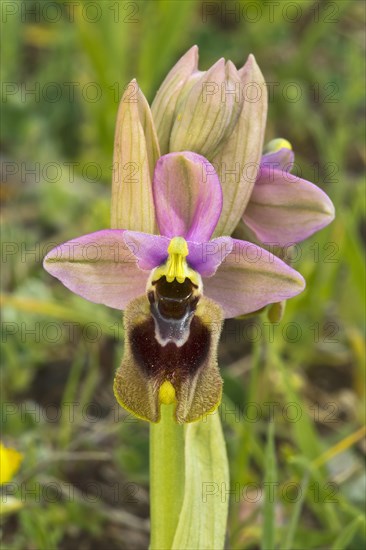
<point x="207" y="112"/>
<point x="220" y="114"/>
<point x="278" y="153"/>
<point x="136" y="151"/>
<point x="275" y="145"/>
<point x="165" y="101"/>
<point x="276" y="312"/>
<point x="238" y="160"/>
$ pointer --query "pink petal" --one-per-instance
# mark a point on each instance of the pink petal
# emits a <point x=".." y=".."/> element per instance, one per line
<point x="99" y="267"/>
<point x="152" y="250"/>
<point x="250" y="278"/>
<point x="187" y="196"/>
<point x="206" y="257"/>
<point x="283" y="159"/>
<point x="285" y="209"/>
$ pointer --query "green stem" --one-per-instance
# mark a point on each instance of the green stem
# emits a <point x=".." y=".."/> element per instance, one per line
<point x="166" y="478"/>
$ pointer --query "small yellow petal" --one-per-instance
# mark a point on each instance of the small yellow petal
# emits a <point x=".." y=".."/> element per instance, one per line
<point x="10" y="461"/>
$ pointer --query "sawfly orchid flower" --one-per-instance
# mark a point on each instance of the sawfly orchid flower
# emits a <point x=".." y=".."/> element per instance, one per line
<point x="175" y="287"/>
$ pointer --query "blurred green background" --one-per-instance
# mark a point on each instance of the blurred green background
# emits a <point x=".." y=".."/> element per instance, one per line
<point x="84" y="478"/>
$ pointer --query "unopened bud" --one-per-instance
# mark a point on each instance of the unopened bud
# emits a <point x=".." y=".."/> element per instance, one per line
<point x="208" y="111"/>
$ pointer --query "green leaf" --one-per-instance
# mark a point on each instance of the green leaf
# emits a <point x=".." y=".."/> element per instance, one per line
<point x="202" y="522"/>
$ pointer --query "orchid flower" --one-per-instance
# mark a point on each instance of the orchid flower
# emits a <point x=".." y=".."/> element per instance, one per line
<point x="284" y="209"/>
<point x="175" y="286"/>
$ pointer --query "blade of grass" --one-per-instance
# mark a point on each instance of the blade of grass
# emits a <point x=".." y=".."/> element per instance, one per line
<point x="347" y="534"/>
<point x="50" y="309"/>
<point x="247" y="435"/>
<point x="340" y="447"/>
<point x="269" y="508"/>
<point x="309" y="444"/>
<point x="66" y="425"/>
<point x="294" y="521"/>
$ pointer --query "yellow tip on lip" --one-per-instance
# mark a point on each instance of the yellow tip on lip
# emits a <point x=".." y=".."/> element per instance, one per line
<point x="167" y="393"/>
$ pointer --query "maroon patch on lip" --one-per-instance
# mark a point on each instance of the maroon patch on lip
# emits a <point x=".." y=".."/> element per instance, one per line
<point x="170" y="362"/>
